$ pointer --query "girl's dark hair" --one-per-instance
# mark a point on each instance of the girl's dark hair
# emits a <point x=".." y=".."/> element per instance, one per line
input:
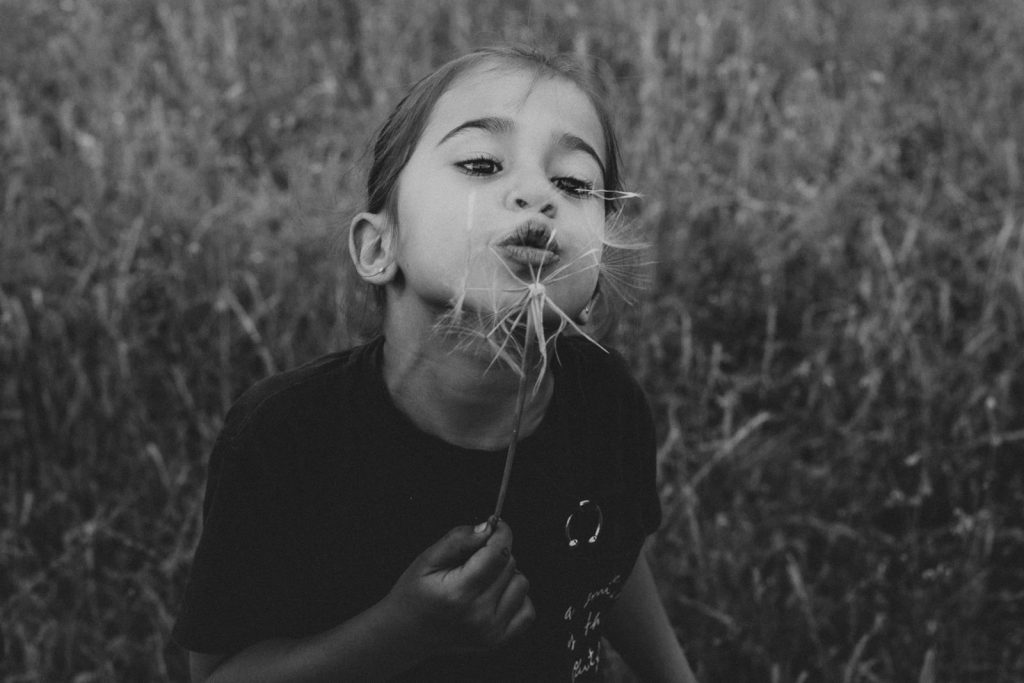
<point x="397" y="138"/>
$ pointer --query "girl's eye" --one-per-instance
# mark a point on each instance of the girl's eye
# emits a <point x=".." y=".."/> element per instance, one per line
<point x="574" y="187"/>
<point x="480" y="166"/>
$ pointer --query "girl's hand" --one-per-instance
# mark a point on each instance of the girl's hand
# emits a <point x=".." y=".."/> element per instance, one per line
<point x="464" y="592"/>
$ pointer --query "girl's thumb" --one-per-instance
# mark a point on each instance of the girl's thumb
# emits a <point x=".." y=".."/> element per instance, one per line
<point x="458" y="545"/>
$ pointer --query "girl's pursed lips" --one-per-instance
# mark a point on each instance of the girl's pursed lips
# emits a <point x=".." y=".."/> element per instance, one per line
<point x="528" y="256"/>
<point x="531" y="243"/>
<point x="534" y="234"/>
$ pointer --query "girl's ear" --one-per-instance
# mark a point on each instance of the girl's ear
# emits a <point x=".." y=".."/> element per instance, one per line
<point x="370" y="244"/>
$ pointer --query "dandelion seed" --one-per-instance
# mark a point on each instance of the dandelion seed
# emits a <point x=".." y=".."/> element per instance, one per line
<point x="614" y="194"/>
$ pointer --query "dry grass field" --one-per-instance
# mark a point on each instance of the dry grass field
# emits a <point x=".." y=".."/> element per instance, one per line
<point x="833" y="338"/>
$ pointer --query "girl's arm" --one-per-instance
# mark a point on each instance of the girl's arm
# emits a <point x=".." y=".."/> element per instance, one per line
<point x="370" y="646"/>
<point x="639" y="630"/>
<point x="462" y="594"/>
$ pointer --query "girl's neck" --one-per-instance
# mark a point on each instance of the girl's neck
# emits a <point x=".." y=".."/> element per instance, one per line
<point x="453" y="391"/>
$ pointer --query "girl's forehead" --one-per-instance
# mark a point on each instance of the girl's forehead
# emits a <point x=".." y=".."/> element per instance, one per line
<point x="521" y="95"/>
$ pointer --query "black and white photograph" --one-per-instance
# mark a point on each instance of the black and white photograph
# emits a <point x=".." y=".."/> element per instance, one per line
<point x="483" y="341"/>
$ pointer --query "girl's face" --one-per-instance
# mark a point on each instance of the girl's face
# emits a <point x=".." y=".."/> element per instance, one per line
<point x="497" y="195"/>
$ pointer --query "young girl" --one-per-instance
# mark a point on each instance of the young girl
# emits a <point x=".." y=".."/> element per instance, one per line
<point x="349" y="516"/>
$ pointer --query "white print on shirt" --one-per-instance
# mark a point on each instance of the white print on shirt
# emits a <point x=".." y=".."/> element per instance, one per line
<point x="583" y="621"/>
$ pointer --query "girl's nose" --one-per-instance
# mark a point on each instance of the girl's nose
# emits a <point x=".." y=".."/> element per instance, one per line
<point x="531" y="195"/>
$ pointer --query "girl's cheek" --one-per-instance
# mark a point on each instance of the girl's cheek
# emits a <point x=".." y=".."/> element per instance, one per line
<point x="596" y="233"/>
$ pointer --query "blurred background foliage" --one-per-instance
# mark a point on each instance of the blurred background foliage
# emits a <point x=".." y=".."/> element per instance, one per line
<point x="833" y="342"/>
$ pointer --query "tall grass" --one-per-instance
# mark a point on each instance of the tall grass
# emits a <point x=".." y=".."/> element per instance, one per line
<point x="833" y="345"/>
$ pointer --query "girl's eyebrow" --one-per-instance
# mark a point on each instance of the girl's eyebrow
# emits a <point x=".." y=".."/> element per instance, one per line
<point x="578" y="144"/>
<point x="499" y="126"/>
<point x="489" y="124"/>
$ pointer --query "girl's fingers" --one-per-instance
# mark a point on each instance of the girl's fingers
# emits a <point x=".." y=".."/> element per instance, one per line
<point x="513" y="596"/>
<point x="457" y="546"/>
<point x="484" y="567"/>
<point x="522" y="619"/>
<point x="492" y="594"/>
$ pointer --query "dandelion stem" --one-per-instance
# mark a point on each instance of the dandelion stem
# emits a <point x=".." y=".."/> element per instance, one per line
<point x="517" y="417"/>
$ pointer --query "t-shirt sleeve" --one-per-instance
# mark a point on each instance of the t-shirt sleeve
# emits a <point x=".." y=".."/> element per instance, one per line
<point x="238" y="591"/>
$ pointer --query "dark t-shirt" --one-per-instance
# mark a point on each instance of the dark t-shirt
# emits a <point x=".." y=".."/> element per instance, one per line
<point x="321" y="493"/>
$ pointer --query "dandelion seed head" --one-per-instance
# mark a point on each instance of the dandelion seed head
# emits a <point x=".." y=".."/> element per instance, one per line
<point x="506" y="318"/>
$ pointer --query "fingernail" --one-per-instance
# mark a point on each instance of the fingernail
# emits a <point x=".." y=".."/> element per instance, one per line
<point x="481" y="527"/>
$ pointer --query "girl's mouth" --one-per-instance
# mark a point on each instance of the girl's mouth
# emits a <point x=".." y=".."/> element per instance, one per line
<point x="531" y="244"/>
